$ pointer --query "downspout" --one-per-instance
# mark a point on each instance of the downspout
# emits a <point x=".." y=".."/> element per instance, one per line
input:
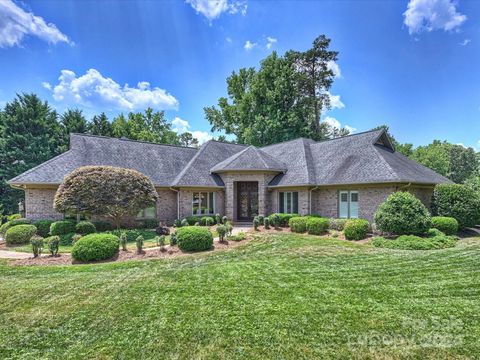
<point x="178" y="201"/>
<point x="310" y="199"/>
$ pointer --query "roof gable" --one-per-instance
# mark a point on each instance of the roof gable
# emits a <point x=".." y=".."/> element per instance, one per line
<point x="251" y="159"/>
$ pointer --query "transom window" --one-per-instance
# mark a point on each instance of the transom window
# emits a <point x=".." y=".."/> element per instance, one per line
<point x="148" y="213"/>
<point x="288" y="202"/>
<point x="348" y="204"/>
<point x="203" y="203"/>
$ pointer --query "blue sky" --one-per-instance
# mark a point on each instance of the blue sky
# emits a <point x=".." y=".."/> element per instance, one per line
<point x="413" y="65"/>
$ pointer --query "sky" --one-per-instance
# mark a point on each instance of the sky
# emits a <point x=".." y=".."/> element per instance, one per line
<point x="412" y="65"/>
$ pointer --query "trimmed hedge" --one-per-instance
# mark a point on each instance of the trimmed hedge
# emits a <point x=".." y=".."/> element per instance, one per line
<point x="20" y="234"/>
<point x="447" y="225"/>
<point x="95" y="247"/>
<point x="457" y="201"/>
<point x="402" y="213"/>
<point x="194" y="238"/>
<point x="21" y="221"/>
<point x="356" y="229"/>
<point x="85" y="228"/>
<point x="284" y="219"/>
<point x="207" y="221"/>
<point x="316" y="225"/>
<point x="62" y="227"/>
<point x="298" y="224"/>
<point x="412" y="242"/>
<point x="5" y="226"/>
<point x="43" y="227"/>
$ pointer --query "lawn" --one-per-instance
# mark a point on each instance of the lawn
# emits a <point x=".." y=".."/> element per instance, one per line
<point x="279" y="296"/>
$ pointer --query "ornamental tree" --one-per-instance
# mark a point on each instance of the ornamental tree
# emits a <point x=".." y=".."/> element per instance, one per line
<point x="106" y="191"/>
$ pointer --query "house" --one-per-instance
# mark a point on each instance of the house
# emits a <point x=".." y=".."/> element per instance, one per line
<point x="346" y="177"/>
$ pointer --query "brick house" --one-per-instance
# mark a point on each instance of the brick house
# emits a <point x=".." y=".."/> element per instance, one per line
<point x="346" y="177"/>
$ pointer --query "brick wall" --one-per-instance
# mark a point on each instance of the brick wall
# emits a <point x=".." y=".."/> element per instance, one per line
<point x="166" y="206"/>
<point x="39" y="204"/>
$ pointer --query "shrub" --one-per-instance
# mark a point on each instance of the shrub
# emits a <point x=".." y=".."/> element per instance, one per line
<point x="53" y="243"/>
<point x="21" y="221"/>
<point x="162" y="230"/>
<point x="224" y="220"/>
<point x="229" y="227"/>
<point x="447" y="225"/>
<point x="283" y="219"/>
<point x="177" y="223"/>
<point x="85" y="228"/>
<point x="5" y="227"/>
<point x="434" y="232"/>
<point x="356" y="229"/>
<point x="62" y="227"/>
<point x="139" y="242"/>
<point x="75" y="238"/>
<point x="173" y="239"/>
<point x="207" y="221"/>
<point x="123" y="241"/>
<point x="37" y="245"/>
<point x="298" y="224"/>
<point x="266" y="223"/>
<point x="412" y="242"/>
<point x="238" y="237"/>
<point x="457" y="201"/>
<point x="402" y="213"/>
<point x="160" y="241"/>
<point x="191" y="220"/>
<point x="66" y="239"/>
<point x="43" y="227"/>
<point x="274" y="220"/>
<point x="133" y="234"/>
<point x="185" y="222"/>
<point x="193" y="238"/>
<point x="20" y="234"/>
<point x="337" y="224"/>
<point x="95" y="247"/>
<point x="261" y="218"/>
<point x="256" y="223"/>
<point x="218" y="219"/>
<point x="13" y="217"/>
<point x="150" y="223"/>
<point x="103" y="226"/>
<point x="317" y="226"/>
<point x="222" y="231"/>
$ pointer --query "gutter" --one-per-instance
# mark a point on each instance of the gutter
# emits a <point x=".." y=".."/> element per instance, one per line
<point x="310" y="199"/>
<point x="178" y="201"/>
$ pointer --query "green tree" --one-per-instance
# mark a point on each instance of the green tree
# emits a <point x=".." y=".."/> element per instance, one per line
<point x="30" y="135"/>
<point x="187" y="139"/>
<point x="283" y="100"/>
<point x="73" y="121"/>
<point x="100" y="125"/>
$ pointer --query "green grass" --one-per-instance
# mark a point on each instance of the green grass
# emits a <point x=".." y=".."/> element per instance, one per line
<point x="281" y="296"/>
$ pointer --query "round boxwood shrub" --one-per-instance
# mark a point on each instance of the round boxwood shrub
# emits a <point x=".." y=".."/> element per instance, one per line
<point x="207" y="221"/>
<point x="95" y="247"/>
<point x="194" y="238"/>
<point x="62" y="227"/>
<point x="5" y="227"/>
<point x="316" y="225"/>
<point x="402" y="213"/>
<point x="20" y="234"/>
<point x="356" y="229"/>
<point x="21" y="221"/>
<point x="447" y="225"/>
<point x="298" y="224"/>
<point x="43" y="227"/>
<point x="85" y="228"/>
<point x="457" y="201"/>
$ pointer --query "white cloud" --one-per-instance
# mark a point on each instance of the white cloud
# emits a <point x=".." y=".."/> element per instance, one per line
<point x="249" y="45"/>
<point x="336" y="124"/>
<point x="332" y="65"/>
<point x="270" y="42"/>
<point x="180" y="126"/>
<point x="212" y="9"/>
<point x="465" y="42"/>
<point x="429" y="15"/>
<point x="16" y="23"/>
<point x="94" y="90"/>
<point x="228" y="39"/>
<point x="335" y="101"/>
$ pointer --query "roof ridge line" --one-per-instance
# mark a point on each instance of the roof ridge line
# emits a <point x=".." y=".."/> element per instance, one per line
<point x="135" y="141"/>
<point x="391" y="170"/>
<point x="346" y="136"/>
<point x="271" y="157"/>
<point x="181" y="173"/>
<point x="232" y="158"/>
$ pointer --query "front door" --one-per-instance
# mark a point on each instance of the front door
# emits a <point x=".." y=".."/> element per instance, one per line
<point x="247" y="200"/>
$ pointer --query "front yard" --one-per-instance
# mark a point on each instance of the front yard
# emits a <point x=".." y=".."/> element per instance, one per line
<point x="279" y="296"/>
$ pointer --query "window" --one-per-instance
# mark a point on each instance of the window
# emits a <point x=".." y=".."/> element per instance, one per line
<point x="203" y="203"/>
<point x="148" y="213"/>
<point x="288" y="202"/>
<point x="348" y="204"/>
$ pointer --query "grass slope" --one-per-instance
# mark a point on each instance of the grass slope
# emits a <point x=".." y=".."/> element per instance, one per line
<point x="282" y="296"/>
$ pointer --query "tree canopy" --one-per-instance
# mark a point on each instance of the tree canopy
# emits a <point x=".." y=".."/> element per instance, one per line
<point x="105" y="191"/>
<point x="282" y="100"/>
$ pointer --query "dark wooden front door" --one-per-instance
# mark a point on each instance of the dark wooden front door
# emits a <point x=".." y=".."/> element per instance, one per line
<point x="247" y="200"/>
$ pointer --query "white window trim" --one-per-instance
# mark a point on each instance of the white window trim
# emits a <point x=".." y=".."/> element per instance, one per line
<point x="285" y="200"/>
<point x="214" y="207"/>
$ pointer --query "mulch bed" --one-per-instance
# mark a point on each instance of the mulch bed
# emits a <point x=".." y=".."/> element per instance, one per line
<point x="155" y="253"/>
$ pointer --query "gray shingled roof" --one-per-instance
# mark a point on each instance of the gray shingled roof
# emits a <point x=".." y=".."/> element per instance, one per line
<point x="161" y="163"/>
<point x="250" y="158"/>
<point x="356" y="159"/>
